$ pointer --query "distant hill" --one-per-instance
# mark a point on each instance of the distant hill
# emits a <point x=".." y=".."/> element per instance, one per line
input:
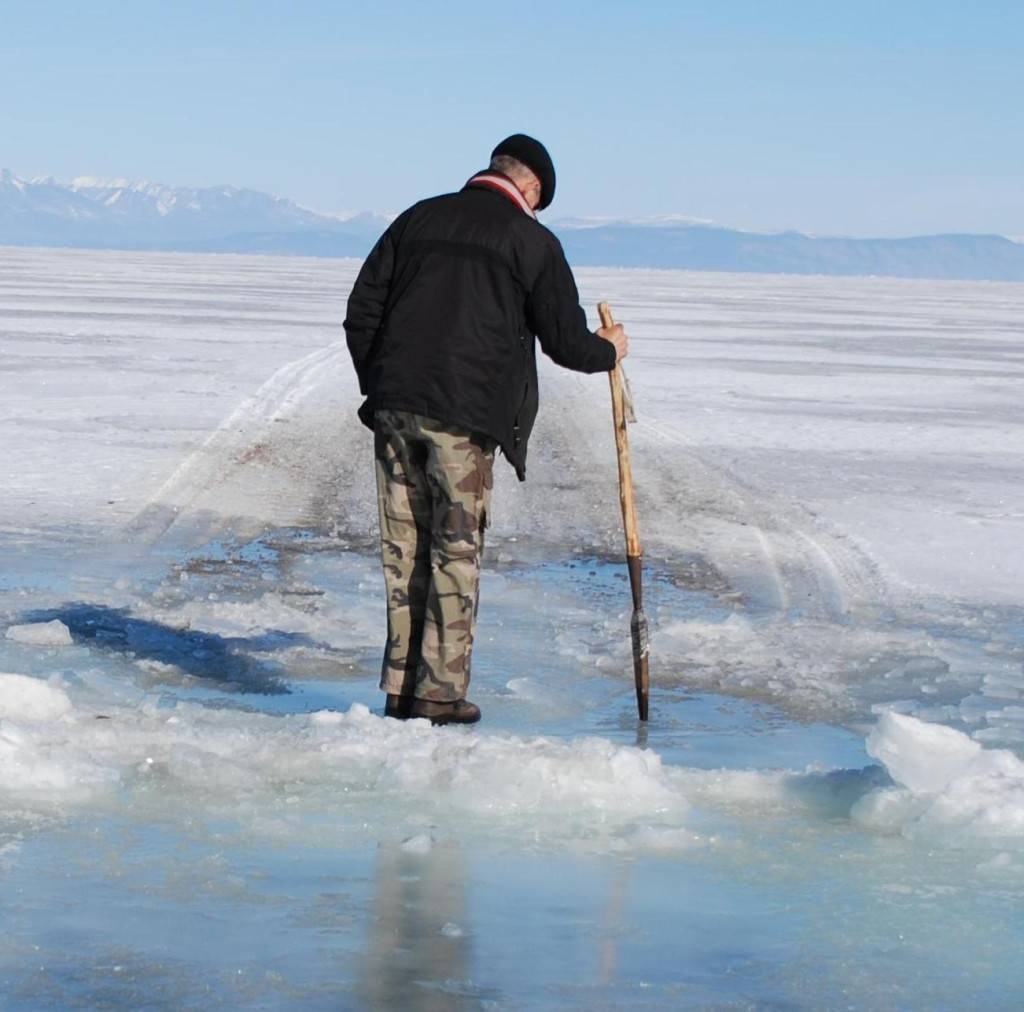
<point x="124" y="214"/>
<point x="704" y="247"/>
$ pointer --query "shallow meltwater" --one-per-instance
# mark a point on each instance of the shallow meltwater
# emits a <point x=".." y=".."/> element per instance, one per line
<point x="203" y="808"/>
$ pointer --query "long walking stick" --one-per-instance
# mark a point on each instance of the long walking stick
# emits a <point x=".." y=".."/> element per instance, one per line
<point x="638" y="626"/>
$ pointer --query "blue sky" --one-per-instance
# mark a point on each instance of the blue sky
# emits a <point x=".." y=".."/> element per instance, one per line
<point x="861" y="118"/>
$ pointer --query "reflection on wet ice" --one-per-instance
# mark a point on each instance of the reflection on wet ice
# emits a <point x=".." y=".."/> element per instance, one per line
<point x="418" y="946"/>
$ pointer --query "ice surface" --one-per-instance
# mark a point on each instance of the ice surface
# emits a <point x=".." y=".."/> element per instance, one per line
<point x="25" y="698"/>
<point x="584" y="792"/>
<point x="949" y="788"/>
<point x="42" y="634"/>
<point x="785" y="422"/>
<point x="829" y="480"/>
<point x="836" y="461"/>
<point x="922" y="757"/>
<point x="243" y="763"/>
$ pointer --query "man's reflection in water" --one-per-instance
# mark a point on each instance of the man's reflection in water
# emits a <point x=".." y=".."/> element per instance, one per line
<point x="612" y="926"/>
<point x="418" y="938"/>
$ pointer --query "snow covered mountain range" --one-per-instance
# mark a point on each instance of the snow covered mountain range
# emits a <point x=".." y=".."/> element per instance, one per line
<point x="125" y="214"/>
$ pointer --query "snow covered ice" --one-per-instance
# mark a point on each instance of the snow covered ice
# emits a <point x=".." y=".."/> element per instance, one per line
<point x="947" y="784"/>
<point x="200" y="804"/>
<point x="44" y="634"/>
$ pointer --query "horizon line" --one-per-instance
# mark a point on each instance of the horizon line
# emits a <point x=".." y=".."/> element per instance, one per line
<point x="661" y="219"/>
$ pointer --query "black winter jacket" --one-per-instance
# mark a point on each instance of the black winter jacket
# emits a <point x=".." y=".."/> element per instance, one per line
<point x="442" y="318"/>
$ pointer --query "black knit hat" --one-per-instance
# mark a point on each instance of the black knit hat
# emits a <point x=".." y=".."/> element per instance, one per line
<point x="534" y="156"/>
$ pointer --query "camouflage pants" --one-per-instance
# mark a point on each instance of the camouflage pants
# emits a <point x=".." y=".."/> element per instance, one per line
<point x="433" y="493"/>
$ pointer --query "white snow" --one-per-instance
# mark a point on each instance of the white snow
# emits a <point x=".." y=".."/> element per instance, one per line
<point x="582" y="793"/>
<point x="662" y="220"/>
<point x="106" y="183"/>
<point x="382" y="218"/>
<point x="34" y="714"/>
<point x="30" y="699"/>
<point x="42" y="634"/>
<point x="921" y="757"/>
<point x="948" y="786"/>
<point x="347" y="763"/>
<point x="828" y="424"/>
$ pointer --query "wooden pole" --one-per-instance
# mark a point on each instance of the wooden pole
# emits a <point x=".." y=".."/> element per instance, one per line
<point x="634" y="554"/>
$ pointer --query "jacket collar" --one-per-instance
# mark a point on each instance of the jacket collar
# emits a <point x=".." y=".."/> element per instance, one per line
<point x="500" y="183"/>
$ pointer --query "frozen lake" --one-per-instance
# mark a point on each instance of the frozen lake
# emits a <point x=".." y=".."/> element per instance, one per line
<point x="200" y="806"/>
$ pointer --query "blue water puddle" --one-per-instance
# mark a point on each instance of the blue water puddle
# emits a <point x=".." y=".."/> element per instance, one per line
<point x="150" y="921"/>
<point x="526" y="689"/>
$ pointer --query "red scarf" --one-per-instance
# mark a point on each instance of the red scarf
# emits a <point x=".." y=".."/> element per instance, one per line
<point x="500" y="183"/>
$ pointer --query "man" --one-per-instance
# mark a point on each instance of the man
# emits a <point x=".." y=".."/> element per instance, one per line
<point x="441" y="324"/>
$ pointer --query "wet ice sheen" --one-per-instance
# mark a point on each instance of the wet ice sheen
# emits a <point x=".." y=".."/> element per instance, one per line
<point x="689" y="871"/>
<point x="665" y="880"/>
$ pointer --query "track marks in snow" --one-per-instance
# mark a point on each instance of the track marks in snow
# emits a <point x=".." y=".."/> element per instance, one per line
<point x="240" y="470"/>
<point x="772" y="549"/>
<point x="293" y="453"/>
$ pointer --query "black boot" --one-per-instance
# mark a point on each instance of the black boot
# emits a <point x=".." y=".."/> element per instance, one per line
<point x="460" y="712"/>
<point x="398" y="706"/>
